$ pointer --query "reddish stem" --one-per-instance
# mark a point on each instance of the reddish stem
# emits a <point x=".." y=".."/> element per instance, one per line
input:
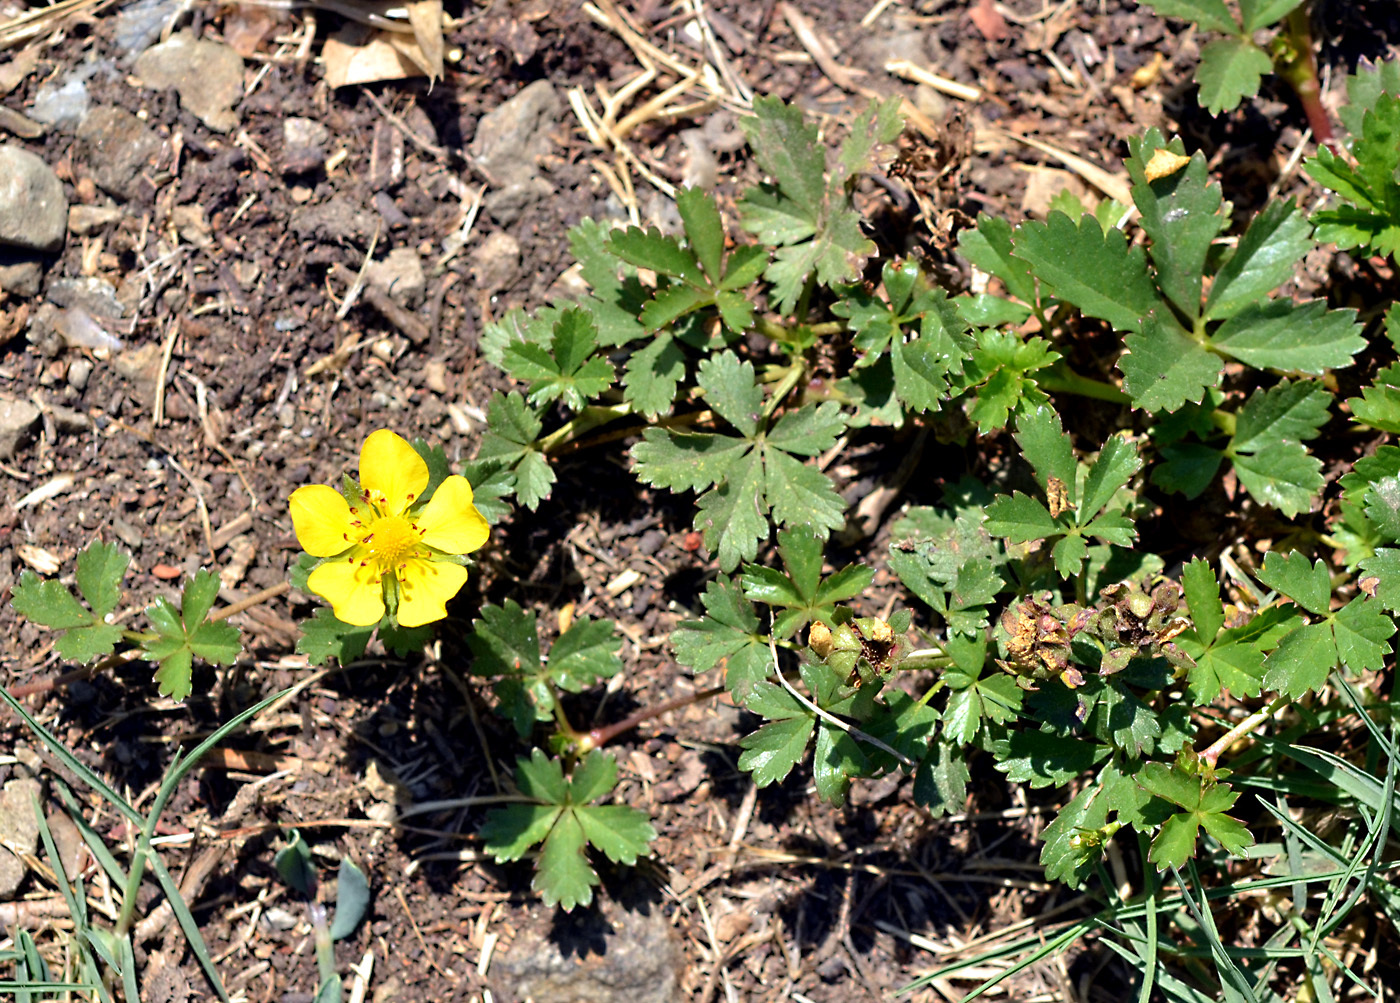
<point x="1293" y="60"/>
<point x="601" y="736"/>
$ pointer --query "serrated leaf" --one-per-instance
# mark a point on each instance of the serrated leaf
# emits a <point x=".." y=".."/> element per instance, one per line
<point x="1384" y="565"/>
<point x="1361" y="632"/>
<point x="773" y="750"/>
<point x="1278" y="334"/>
<point x="617" y="297"/>
<point x="687" y="461"/>
<point x="940" y="782"/>
<point x="621" y="832"/>
<point x="650" y="248"/>
<point x="1182" y="215"/>
<point x="731" y="392"/>
<point x="734" y="516"/>
<point x="1269" y="458"/>
<point x="563" y="876"/>
<point x="1115" y="466"/>
<point x="510" y="830"/>
<point x="1210" y="14"/>
<point x="47" y="603"/>
<point x="800" y="494"/>
<point x="504" y="641"/>
<point x="1284" y="477"/>
<point x="101" y="567"/>
<point x="728" y="635"/>
<point x="1064" y="857"/>
<point x="1095" y="271"/>
<point x="323" y="637"/>
<point x="1230" y="70"/>
<point x="652" y="375"/>
<point x="836" y="758"/>
<point x="1379" y="404"/>
<point x="1164" y="367"/>
<point x="789" y="149"/>
<point x="512" y="427"/>
<point x="1383" y="506"/>
<point x="1302" y="661"/>
<point x="988" y="246"/>
<point x="584" y="654"/>
<point x="1258" y="14"/>
<point x="1046" y="447"/>
<point x="184" y="634"/>
<point x="1308" y="585"/>
<point x="1020" y="519"/>
<point x="1041" y="759"/>
<point x="1276" y="240"/>
<point x="1205" y="805"/>
<point x="808" y="431"/>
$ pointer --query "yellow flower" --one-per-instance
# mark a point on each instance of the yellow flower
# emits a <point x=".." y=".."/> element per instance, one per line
<point x="382" y="544"/>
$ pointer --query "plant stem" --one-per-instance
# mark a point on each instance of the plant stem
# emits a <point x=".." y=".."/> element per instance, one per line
<point x="1292" y="53"/>
<point x="589" y="418"/>
<point x="783" y="388"/>
<point x="1059" y="378"/>
<point x="599" y="737"/>
<point x="1221" y="744"/>
<point x="271" y="592"/>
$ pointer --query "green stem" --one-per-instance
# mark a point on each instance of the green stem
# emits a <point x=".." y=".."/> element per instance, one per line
<point x="1217" y="748"/>
<point x="783" y="388"/>
<point x="586" y="420"/>
<point x="1059" y="378"/>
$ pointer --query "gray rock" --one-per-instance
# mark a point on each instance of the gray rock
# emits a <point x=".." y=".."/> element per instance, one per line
<point x="510" y="139"/>
<point x="95" y="295"/>
<point x="84" y="219"/>
<point x="20" y="272"/>
<point x="400" y="275"/>
<point x="506" y="205"/>
<point x="304" y="143"/>
<point x="18" y="419"/>
<point x="207" y="75"/>
<point x="19" y="831"/>
<point x="116" y="146"/>
<point x="33" y="208"/>
<point x="495" y="263"/>
<point x="627" y="957"/>
<point x="79" y="372"/>
<point x="334" y="220"/>
<point x="140" y="367"/>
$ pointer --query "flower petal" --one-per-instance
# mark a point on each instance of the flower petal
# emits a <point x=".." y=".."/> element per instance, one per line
<point x="321" y="518"/>
<point x="450" y="521"/>
<point x="389" y="467"/>
<point x="425" y="588"/>
<point x="356" y="597"/>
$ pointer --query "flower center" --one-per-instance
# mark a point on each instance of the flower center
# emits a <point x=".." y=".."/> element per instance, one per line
<point x="390" y="540"/>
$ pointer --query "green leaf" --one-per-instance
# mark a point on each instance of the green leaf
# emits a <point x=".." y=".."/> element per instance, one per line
<point x="731" y="392"/>
<point x="1065" y="855"/>
<point x="652" y="375"/>
<point x="801" y="593"/>
<point x="988" y="246"/>
<point x="734" y="516"/>
<point x="1279" y="334"/>
<point x="1020" y="518"/>
<point x="85" y="637"/>
<point x="1205" y="804"/>
<point x="584" y="654"/>
<point x="510" y="831"/>
<point x="1267" y="449"/>
<point x="1361" y="632"/>
<point x="1210" y="14"/>
<point x="351" y="899"/>
<point x="1284" y="477"/>
<point x="789" y="150"/>
<point x="1230" y="70"/>
<point x="293" y="865"/>
<point x="323" y="637"/>
<point x="1262" y="13"/>
<point x="1379" y="404"/>
<point x="773" y="750"/>
<point x="512" y="427"/>
<point x="1047" y="449"/>
<point x="1302" y="661"/>
<point x="800" y="495"/>
<point x="568" y="370"/>
<point x="1372" y="219"/>
<point x="101" y="568"/>
<point x="703" y="229"/>
<point x="1308" y="585"/>
<point x="182" y="635"/>
<point x="650" y="248"/>
<point x="940" y="782"/>
<point x="687" y="461"/>
<point x="1384" y="565"/>
<point x="618" y="297"/>
<point x="1164" y="367"/>
<point x="1095" y="271"/>
<point x="505" y="641"/>
<point x="728" y="634"/>
<point x="1383" y="505"/>
<point x="1182" y="215"/>
<point x="1042" y="760"/>
<point x="1264" y="259"/>
<point x="1117" y="462"/>
<point x="621" y="832"/>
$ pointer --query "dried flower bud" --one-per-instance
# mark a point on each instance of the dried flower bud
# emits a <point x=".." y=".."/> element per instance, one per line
<point x="819" y="639"/>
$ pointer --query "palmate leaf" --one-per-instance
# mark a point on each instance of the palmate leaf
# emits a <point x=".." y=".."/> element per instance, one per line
<point x="567" y="370"/>
<point x="512" y="428"/>
<point x="801" y="593"/>
<point x="1372" y="220"/>
<point x="1267" y="449"/>
<point x="807" y="216"/>
<point x="727" y="635"/>
<point x="1204" y="805"/>
<point x="565" y="819"/>
<point x="999" y="375"/>
<point x="183" y="634"/>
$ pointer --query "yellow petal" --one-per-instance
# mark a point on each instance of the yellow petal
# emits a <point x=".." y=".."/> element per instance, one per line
<point x="390" y="468"/>
<point x="426" y="587"/>
<point x="450" y="520"/>
<point x="321" y="519"/>
<point x="351" y="589"/>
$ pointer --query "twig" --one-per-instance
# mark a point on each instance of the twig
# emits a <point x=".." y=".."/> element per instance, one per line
<point x="271" y="592"/>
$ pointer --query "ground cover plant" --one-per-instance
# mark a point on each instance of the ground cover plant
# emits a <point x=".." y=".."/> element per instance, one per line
<point x="1199" y="724"/>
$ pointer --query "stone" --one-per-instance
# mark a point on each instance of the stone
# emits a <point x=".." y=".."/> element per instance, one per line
<point x="506" y="205"/>
<point x="20" y="273"/>
<point x="116" y="146"/>
<point x="95" y="295"/>
<point x="33" y="208"/>
<point x="304" y="142"/>
<point x="79" y="372"/>
<point x="495" y="263"/>
<point x="400" y="275"/>
<point x="18" y="419"/>
<point x="627" y="957"/>
<point x="512" y="136"/>
<point x="207" y="75"/>
<point x="84" y="220"/>
<point x="140" y="367"/>
<point x="19" y="831"/>
<point x="336" y="219"/>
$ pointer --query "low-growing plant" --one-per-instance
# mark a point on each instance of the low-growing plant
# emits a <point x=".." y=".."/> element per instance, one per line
<point x="1043" y="618"/>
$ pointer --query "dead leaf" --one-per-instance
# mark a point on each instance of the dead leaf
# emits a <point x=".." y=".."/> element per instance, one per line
<point x="426" y="18"/>
<point x="358" y="55"/>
